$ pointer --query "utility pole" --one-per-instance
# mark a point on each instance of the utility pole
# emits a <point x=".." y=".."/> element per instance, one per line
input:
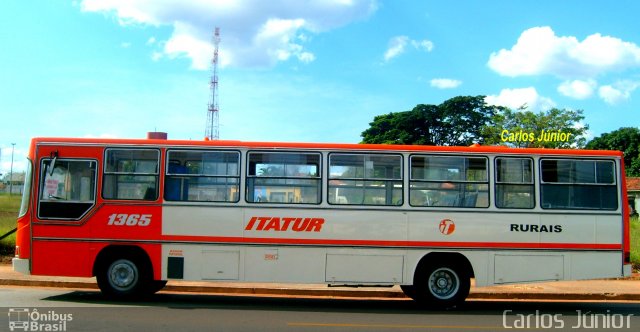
<point x="11" y="171"/>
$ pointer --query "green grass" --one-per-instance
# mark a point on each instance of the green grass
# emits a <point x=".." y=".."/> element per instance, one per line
<point x="9" y="207"/>
<point x="635" y="242"/>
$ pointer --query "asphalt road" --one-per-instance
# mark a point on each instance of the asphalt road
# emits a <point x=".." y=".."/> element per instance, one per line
<point x="82" y="310"/>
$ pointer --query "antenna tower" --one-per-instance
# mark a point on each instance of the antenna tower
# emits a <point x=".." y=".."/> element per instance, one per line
<point x="212" y="131"/>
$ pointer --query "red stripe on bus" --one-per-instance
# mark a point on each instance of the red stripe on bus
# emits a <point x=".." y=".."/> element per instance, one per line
<point x="387" y="243"/>
<point x="625" y="213"/>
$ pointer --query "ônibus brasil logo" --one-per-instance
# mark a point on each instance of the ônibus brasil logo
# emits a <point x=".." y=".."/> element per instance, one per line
<point x="33" y="320"/>
<point x="447" y="226"/>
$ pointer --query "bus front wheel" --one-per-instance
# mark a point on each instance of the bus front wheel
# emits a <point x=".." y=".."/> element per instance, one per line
<point x="441" y="285"/>
<point x="123" y="278"/>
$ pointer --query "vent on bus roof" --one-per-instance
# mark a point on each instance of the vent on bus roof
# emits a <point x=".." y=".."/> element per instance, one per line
<point x="156" y="135"/>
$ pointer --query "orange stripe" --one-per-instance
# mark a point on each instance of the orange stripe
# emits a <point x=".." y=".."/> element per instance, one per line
<point x="387" y="243"/>
<point x="336" y="146"/>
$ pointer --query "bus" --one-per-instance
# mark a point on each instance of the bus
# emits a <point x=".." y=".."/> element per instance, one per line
<point x="135" y="213"/>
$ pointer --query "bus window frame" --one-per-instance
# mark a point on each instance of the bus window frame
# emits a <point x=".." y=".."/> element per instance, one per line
<point x="594" y="184"/>
<point x="366" y="179"/>
<point x="533" y="182"/>
<point x="487" y="182"/>
<point x="41" y="185"/>
<point x="156" y="175"/>
<point x="168" y="175"/>
<point x="250" y="179"/>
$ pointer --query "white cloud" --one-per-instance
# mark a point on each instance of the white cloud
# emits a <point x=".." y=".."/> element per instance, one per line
<point x="445" y="83"/>
<point x="125" y="44"/>
<point x="306" y="57"/>
<point x="525" y="97"/>
<point x="578" y="89"/>
<point x="19" y="159"/>
<point x="155" y="56"/>
<point x="610" y="94"/>
<point x="539" y="51"/>
<point x="184" y="43"/>
<point x="151" y="41"/>
<point x="253" y="32"/>
<point x="283" y="32"/>
<point x="424" y="44"/>
<point x="398" y="45"/>
<point x="618" y="92"/>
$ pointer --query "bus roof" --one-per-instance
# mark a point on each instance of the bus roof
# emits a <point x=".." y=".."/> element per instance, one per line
<point x="476" y="148"/>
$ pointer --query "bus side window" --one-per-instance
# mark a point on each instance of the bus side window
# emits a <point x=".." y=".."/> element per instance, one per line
<point x="67" y="191"/>
<point x="514" y="183"/>
<point x="365" y="179"/>
<point x="131" y="174"/>
<point x="202" y="176"/>
<point x="449" y="181"/>
<point x="283" y="177"/>
<point x="578" y="184"/>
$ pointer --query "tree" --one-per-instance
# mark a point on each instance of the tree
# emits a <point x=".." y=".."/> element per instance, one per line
<point x="457" y="121"/>
<point x="554" y="128"/>
<point x="626" y="140"/>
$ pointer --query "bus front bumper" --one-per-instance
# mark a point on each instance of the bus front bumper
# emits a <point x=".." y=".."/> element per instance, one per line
<point x="21" y="265"/>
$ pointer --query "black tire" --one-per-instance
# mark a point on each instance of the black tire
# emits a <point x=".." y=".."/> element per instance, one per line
<point x="123" y="278"/>
<point x="441" y="285"/>
<point x="409" y="291"/>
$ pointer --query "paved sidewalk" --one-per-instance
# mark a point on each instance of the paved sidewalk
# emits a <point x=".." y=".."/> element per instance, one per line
<point x="595" y="290"/>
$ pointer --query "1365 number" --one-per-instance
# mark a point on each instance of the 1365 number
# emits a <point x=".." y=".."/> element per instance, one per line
<point x="123" y="219"/>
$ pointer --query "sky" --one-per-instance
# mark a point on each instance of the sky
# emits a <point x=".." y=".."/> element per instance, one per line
<point x="305" y="71"/>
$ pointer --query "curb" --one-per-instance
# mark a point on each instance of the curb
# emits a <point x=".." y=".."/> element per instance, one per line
<point x="555" y="296"/>
<point x="338" y="293"/>
<point x="48" y="283"/>
<point x="287" y="292"/>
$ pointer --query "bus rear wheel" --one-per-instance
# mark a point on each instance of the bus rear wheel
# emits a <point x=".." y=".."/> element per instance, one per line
<point x="441" y="285"/>
<point x="123" y="278"/>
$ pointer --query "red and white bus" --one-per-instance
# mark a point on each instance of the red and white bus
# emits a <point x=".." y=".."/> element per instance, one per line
<point x="136" y="213"/>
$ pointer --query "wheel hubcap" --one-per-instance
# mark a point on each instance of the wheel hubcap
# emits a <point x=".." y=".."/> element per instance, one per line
<point x="444" y="283"/>
<point x="123" y="274"/>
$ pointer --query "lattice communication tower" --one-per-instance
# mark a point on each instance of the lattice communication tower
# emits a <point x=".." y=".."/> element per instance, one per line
<point x="212" y="131"/>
